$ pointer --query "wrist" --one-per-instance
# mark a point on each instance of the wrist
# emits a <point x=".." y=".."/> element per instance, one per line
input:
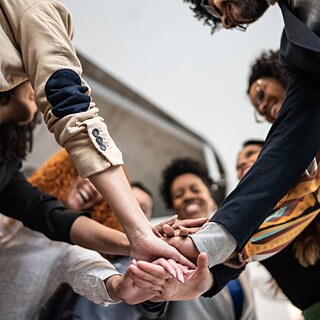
<point x="111" y="284"/>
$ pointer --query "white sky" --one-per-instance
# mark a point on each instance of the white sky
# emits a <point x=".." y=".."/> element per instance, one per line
<point x="160" y="50"/>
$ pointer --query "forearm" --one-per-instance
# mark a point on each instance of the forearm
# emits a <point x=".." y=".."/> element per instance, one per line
<point x="114" y="187"/>
<point x="87" y="233"/>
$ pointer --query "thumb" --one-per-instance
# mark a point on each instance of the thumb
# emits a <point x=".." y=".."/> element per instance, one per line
<point x="202" y="261"/>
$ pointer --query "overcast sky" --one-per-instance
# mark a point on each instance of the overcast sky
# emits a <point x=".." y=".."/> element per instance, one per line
<point x="160" y="50"/>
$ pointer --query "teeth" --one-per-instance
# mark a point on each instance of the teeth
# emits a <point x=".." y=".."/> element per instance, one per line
<point x="84" y="195"/>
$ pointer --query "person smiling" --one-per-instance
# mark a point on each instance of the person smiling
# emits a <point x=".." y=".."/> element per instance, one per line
<point x="36" y="46"/>
<point x="188" y="189"/>
<point x="294" y="138"/>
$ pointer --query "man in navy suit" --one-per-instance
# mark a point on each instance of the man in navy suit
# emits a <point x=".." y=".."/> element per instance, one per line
<point x="294" y="138"/>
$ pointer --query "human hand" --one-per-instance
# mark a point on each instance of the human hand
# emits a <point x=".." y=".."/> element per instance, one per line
<point x="148" y="284"/>
<point x="149" y="248"/>
<point x="184" y="245"/>
<point x="122" y="288"/>
<point x="158" y="272"/>
<point x="195" y="283"/>
<point x="172" y="226"/>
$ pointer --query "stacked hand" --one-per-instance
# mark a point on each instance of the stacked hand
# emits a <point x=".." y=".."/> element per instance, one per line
<point x="169" y="277"/>
<point x="176" y="245"/>
<point x="144" y="281"/>
<point x="187" y="285"/>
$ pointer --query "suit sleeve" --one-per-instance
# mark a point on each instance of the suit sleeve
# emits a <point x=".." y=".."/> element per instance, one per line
<point x="222" y="275"/>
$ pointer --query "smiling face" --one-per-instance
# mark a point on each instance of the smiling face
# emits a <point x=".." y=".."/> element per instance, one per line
<point x="238" y="12"/>
<point x="246" y="158"/>
<point x="267" y="95"/>
<point x="191" y="198"/>
<point x="83" y="195"/>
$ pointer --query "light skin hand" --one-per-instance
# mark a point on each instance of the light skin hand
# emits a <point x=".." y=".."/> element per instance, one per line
<point x="152" y="247"/>
<point x="157" y="272"/>
<point x="196" y="282"/>
<point x="122" y="288"/>
<point x="147" y="284"/>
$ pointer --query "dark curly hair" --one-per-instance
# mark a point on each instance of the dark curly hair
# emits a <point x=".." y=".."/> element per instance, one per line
<point x="249" y="9"/>
<point x="15" y="141"/>
<point x="179" y="167"/>
<point x="268" y="65"/>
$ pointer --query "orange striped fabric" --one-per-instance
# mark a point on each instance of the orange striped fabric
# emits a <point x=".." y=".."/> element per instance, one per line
<point x="294" y="212"/>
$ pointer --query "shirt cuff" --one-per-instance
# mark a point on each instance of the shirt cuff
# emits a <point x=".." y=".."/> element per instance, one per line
<point x="86" y="138"/>
<point x="215" y="241"/>
<point x="94" y="283"/>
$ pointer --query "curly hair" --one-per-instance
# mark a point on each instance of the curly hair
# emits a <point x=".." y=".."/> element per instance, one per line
<point x="249" y="9"/>
<point x="179" y="167"/>
<point x="15" y="141"/>
<point x="57" y="177"/>
<point x="268" y="65"/>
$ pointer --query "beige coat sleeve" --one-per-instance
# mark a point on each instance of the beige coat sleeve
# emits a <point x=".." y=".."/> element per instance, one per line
<point x="43" y="31"/>
<point x="85" y="271"/>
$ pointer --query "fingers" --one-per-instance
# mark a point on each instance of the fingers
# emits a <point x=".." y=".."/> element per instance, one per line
<point x="168" y="230"/>
<point x="188" y="223"/>
<point x="158" y="228"/>
<point x="175" y="269"/>
<point x="149" y="273"/>
<point x="156" y="231"/>
<point x="184" y="232"/>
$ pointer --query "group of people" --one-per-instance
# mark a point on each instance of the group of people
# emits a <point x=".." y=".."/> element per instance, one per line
<point x="271" y="216"/>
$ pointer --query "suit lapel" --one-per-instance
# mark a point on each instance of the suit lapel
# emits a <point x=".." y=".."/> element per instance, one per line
<point x="297" y="32"/>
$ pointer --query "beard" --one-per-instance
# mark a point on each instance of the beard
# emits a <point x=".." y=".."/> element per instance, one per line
<point x="252" y="9"/>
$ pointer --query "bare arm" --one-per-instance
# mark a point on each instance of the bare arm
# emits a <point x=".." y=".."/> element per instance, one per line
<point x="90" y="234"/>
<point x="114" y="187"/>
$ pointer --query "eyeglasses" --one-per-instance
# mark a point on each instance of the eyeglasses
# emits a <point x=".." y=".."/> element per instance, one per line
<point x="214" y="13"/>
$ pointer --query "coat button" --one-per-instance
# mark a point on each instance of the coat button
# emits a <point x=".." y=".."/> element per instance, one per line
<point x="102" y="147"/>
<point x="95" y="132"/>
<point x="99" y="140"/>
